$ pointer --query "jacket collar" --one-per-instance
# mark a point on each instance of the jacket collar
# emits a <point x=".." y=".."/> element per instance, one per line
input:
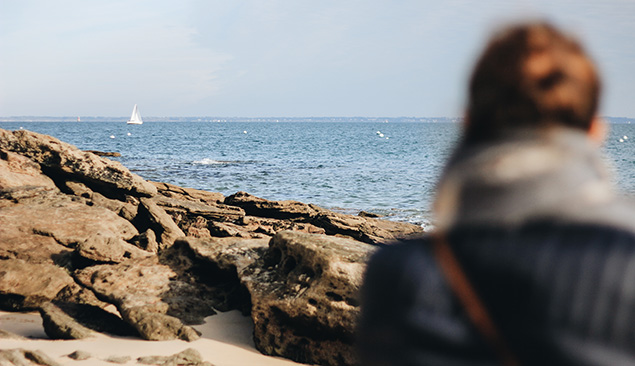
<point x="557" y="174"/>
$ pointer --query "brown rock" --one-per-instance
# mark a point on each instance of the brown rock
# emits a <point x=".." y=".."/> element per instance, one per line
<point x="23" y="357"/>
<point x="33" y="248"/>
<point x="68" y="222"/>
<point x="147" y="241"/>
<point x="8" y="335"/>
<point x="24" y="286"/>
<point x="166" y="229"/>
<point x="255" y="206"/>
<point x="68" y="320"/>
<point x="304" y="293"/>
<point x="62" y="160"/>
<point x="80" y="355"/>
<point x="105" y="248"/>
<point x="59" y="325"/>
<point x="368" y="230"/>
<point x="303" y="290"/>
<point x="104" y="153"/>
<point x="190" y="194"/>
<point x="214" y="211"/>
<point x="188" y="357"/>
<point x="150" y="296"/>
<point x="19" y="171"/>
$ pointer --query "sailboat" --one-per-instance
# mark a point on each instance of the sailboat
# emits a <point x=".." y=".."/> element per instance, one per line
<point x="135" y="118"/>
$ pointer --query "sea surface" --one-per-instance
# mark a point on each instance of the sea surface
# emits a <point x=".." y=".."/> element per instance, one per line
<point x="386" y="168"/>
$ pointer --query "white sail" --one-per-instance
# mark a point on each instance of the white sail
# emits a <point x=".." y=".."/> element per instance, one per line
<point x="135" y="118"/>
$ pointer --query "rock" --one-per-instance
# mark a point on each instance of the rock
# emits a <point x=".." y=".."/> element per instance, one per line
<point x="23" y="357"/>
<point x="109" y="249"/>
<point x="29" y="247"/>
<point x="214" y="211"/>
<point x="160" y="222"/>
<point x="147" y="241"/>
<point x="368" y="230"/>
<point x="190" y="194"/>
<point x="369" y="214"/>
<point x="19" y="171"/>
<point x="272" y="226"/>
<point x="255" y="206"/>
<point x="97" y="199"/>
<point x="59" y="325"/>
<point x="62" y="160"/>
<point x="304" y="295"/>
<point x="160" y="327"/>
<point x="188" y="357"/>
<point x="150" y="296"/>
<point x="118" y="359"/>
<point x="66" y="320"/>
<point x="68" y="222"/>
<point x="228" y="254"/>
<point x="24" y="286"/>
<point x="104" y="153"/>
<point x="303" y="290"/>
<point x="76" y="294"/>
<point x="80" y="355"/>
<point x="8" y="335"/>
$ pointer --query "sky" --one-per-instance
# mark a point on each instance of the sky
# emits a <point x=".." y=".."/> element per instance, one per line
<point x="274" y="58"/>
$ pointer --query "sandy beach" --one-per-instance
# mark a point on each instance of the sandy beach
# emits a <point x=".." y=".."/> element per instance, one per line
<point x="225" y="341"/>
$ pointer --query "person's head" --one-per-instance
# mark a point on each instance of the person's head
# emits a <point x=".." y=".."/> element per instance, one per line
<point x="531" y="76"/>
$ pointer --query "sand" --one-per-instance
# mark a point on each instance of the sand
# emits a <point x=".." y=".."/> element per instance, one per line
<point x="225" y="341"/>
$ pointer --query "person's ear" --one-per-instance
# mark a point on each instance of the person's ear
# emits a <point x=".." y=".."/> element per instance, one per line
<point x="598" y="130"/>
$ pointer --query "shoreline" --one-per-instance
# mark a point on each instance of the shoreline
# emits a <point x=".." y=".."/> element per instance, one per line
<point x="226" y="340"/>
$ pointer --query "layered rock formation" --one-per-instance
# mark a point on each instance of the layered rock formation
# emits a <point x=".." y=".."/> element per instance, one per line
<point x="80" y="233"/>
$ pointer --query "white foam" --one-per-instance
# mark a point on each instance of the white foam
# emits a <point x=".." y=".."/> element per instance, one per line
<point x="207" y="161"/>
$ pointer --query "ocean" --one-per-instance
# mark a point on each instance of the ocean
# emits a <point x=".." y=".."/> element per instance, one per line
<point x="385" y="168"/>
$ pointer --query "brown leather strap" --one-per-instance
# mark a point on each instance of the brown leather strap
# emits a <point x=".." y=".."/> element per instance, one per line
<point x="468" y="297"/>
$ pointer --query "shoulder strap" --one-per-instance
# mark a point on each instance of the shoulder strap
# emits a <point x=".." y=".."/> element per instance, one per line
<point x="474" y="307"/>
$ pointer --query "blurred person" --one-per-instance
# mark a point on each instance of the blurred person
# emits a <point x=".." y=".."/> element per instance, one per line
<point x="533" y="258"/>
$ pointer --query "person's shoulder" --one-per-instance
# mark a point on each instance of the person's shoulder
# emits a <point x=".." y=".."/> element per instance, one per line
<point x="401" y="250"/>
<point x="404" y="258"/>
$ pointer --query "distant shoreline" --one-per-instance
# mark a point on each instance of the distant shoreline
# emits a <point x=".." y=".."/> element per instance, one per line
<point x="209" y="119"/>
<point x="234" y="119"/>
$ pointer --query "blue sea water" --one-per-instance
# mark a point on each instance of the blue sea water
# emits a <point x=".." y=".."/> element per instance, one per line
<point x="385" y="168"/>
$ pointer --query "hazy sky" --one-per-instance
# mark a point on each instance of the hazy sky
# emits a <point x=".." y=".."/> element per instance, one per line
<point x="278" y="58"/>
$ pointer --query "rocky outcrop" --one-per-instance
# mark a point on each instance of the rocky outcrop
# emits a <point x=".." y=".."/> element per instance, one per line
<point x="303" y="290"/>
<point x="150" y="296"/>
<point x="63" y="160"/>
<point x="80" y="233"/>
<point x="305" y="299"/>
<point x="362" y="228"/>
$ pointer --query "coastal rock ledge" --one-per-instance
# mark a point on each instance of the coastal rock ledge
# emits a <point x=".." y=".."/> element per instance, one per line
<point x="80" y="235"/>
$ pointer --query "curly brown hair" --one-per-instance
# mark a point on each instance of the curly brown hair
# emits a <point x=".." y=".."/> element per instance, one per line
<point x="531" y="75"/>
